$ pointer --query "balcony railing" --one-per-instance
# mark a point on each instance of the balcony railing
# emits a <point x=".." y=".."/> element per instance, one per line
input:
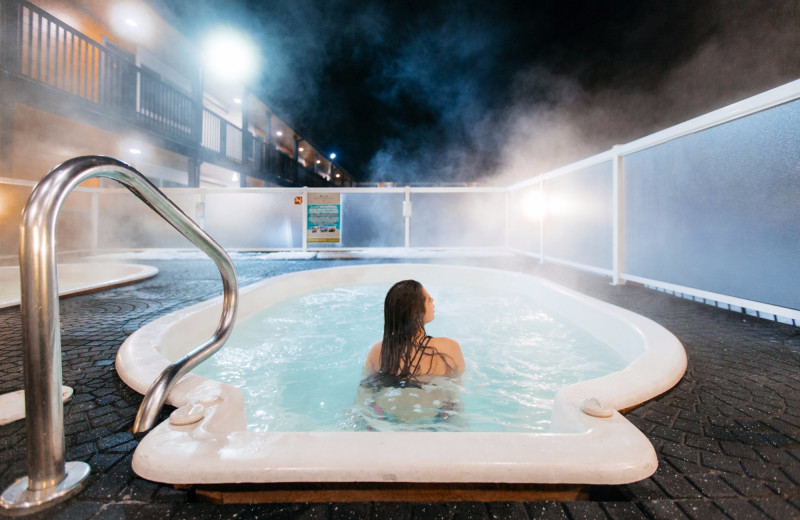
<point x="55" y="54"/>
<point x="162" y="107"/>
<point x="42" y="48"/>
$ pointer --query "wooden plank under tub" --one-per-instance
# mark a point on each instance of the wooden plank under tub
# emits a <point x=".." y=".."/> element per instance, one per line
<point x="387" y="492"/>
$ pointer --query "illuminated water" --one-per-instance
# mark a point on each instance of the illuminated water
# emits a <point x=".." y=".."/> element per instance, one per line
<point x="299" y="364"/>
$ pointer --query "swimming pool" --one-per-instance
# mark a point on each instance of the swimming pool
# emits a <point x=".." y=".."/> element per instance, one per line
<point x="578" y="448"/>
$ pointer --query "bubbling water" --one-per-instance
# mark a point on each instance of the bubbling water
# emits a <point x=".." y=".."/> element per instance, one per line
<point x="300" y="363"/>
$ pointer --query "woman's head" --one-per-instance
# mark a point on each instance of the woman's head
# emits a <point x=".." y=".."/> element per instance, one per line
<point x="407" y="308"/>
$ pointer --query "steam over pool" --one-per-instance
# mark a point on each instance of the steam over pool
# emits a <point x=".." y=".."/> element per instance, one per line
<point x="299" y="363"/>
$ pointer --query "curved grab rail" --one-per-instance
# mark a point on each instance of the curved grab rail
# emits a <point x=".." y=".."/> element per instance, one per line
<point x="49" y="478"/>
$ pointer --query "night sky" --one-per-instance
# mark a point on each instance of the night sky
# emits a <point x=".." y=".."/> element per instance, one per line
<point x="495" y="91"/>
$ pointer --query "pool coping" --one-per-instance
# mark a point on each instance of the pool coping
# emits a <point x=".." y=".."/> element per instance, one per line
<point x="601" y="450"/>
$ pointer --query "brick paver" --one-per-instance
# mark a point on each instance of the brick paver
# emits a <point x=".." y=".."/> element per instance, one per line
<point x="727" y="436"/>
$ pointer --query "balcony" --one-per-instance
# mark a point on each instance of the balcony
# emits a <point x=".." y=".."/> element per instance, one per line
<point x="51" y="66"/>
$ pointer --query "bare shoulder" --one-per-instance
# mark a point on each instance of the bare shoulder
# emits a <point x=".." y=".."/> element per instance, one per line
<point x="373" y="361"/>
<point x="451" y="348"/>
<point x="445" y="343"/>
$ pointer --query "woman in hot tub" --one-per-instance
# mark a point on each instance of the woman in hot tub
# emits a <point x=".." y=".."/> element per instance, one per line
<point x="402" y="368"/>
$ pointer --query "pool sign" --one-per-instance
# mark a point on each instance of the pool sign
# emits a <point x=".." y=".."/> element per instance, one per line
<point x="324" y="222"/>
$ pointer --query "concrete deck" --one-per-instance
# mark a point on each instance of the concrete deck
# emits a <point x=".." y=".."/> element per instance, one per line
<point x="727" y="436"/>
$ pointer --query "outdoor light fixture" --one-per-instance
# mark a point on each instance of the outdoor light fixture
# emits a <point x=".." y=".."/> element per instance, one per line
<point x="135" y="151"/>
<point x="235" y="177"/>
<point x="279" y="133"/>
<point x="237" y="100"/>
<point x="301" y="149"/>
<point x="230" y="56"/>
<point x="131" y="21"/>
<point x="333" y="156"/>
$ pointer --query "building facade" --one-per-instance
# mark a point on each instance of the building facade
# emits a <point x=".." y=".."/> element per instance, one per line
<point x="92" y="77"/>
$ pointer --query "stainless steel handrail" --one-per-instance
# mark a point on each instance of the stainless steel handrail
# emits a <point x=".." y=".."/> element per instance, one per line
<point x="51" y="480"/>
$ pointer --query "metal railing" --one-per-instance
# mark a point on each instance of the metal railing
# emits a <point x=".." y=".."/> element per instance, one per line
<point x="164" y="108"/>
<point x="102" y="78"/>
<point x="50" y="479"/>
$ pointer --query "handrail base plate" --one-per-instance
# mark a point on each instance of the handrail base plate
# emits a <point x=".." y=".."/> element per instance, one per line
<point x="18" y="500"/>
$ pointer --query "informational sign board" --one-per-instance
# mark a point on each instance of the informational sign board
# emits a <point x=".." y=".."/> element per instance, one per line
<point x="324" y="222"/>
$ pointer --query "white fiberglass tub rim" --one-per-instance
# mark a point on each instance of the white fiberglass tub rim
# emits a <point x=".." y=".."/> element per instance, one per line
<point x="77" y="278"/>
<point x="218" y="449"/>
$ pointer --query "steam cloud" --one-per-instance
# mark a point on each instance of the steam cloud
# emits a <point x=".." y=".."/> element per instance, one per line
<point x="469" y="91"/>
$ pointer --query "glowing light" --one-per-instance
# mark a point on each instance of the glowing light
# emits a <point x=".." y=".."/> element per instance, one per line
<point x="301" y="149"/>
<point x="135" y="151"/>
<point x="235" y="177"/>
<point x="533" y="205"/>
<point x="279" y="133"/>
<point x="131" y="21"/>
<point x="318" y="161"/>
<point x="559" y="205"/>
<point x="230" y="55"/>
<point x="333" y="156"/>
<point x="338" y="175"/>
<point x="237" y="100"/>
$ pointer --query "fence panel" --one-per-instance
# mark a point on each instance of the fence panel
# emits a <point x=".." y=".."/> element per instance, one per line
<point x="717" y="210"/>
<point x="526" y="209"/>
<point x="254" y="219"/>
<point x="458" y="219"/>
<point x="126" y="223"/>
<point x="370" y="219"/>
<point x="12" y="200"/>
<point x="579" y="217"/>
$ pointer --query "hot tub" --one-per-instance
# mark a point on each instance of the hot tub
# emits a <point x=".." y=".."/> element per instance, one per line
<point x="579" y="448"/>
<point x="76" y="279"/>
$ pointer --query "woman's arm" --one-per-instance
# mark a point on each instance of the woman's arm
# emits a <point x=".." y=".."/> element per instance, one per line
<point x="373" y="362"/>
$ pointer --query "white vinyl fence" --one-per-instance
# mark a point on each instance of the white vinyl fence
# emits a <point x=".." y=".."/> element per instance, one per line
<point x="708" y="209"/>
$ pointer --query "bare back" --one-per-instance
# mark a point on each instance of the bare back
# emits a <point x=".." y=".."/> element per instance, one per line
<point x="429" y="365"/>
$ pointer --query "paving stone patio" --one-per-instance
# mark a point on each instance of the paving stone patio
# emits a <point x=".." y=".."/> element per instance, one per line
<point x="727" y="436"/>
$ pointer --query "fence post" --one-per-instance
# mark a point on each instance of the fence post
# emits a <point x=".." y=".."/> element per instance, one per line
<point x="506" y="241"/>
<point x="95" y="221"/>
<point x="542" y="218"/>
<point x="407" y="217"/>
<point x="618" y="206"/>
<point x="305" y="219"/>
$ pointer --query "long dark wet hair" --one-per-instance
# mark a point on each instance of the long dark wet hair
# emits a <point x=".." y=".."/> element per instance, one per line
<point x="405" y="343"/>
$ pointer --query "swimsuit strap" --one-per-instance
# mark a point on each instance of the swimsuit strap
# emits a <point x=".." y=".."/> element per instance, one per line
<point x="417" y="359"/>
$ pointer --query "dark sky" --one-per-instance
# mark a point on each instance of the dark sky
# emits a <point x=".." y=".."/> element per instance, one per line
<point x="446" y="91"/>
